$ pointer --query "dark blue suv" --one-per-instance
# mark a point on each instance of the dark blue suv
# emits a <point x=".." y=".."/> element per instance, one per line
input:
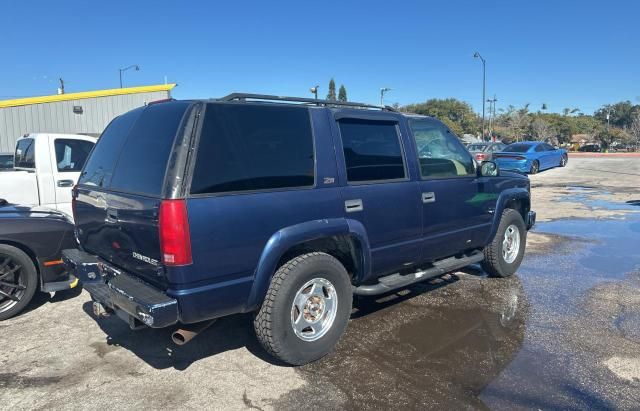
<point x="191" y="210"/>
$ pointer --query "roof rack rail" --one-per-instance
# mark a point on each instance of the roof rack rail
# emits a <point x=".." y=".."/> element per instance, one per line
<point x="319" y="102"/>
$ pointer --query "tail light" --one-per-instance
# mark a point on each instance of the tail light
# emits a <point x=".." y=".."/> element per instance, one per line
<point x="175" y="240"/>
<point x="509" y="156"/>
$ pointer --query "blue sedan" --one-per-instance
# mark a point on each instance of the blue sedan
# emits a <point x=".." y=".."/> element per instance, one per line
<point x="530" y="157"/>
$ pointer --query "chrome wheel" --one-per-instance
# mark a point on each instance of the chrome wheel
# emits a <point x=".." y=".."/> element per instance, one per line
<point x="314" y="309"/>
<point x="12" y="286"/>
<point x="511" y="244"/>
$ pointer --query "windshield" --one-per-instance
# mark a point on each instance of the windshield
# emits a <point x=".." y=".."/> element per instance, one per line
<point x="477" y="147"/>
<point x="517" y="148"/>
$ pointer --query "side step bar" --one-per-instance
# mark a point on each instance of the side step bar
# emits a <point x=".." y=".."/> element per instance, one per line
<point x="395" y="281"/>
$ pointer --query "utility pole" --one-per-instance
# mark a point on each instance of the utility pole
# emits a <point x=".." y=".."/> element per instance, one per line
<point x="61" y="88"/>
<point x="484" y="83"/>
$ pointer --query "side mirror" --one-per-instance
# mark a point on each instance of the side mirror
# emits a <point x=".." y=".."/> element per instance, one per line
<point x="489" y="169"/>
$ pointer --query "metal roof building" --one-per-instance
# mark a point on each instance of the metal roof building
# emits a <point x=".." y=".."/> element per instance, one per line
<point x="86" y="112"/>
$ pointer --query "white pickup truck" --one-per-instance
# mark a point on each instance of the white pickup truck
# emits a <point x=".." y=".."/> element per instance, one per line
<point x="46" y="168"/>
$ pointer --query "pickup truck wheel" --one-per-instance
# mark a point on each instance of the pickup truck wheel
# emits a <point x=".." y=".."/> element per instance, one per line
<point x="503" y="255"/>
<point x="306" y="309"/>
<point x="18" y="281"/>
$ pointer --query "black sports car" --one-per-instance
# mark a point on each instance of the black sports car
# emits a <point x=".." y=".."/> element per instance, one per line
<point x="31" y="239"/>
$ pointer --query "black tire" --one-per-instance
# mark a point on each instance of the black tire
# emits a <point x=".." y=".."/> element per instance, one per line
<point x="18" y="281"/>
<point x="535" y="167"/>
<point x="273" y="322"/>
<point x="494" y="262"/>
<point x="563" y="161"/>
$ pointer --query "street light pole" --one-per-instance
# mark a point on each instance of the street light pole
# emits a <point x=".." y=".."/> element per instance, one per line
<point x="314" y="90"/>
<point x="484" y="82"/>
<point x="382" y="91"/>
<point x="134" y="66"/>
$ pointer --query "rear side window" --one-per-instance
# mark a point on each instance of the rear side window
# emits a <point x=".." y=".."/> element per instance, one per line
<point x="372" y="150"/>
<point x="71" y="154"/>
<point x="25" y="153"/>
<point x="253" y="147"/>
<point x="143" y="158"/>
<point x="100" y="165"/>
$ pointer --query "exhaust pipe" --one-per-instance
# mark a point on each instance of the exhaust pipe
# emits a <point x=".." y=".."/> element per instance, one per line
<point x="189" y="332"/>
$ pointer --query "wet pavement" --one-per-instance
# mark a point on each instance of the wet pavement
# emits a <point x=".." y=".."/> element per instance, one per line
<point x="564" y="333"/>
<point x="543" y="339"/>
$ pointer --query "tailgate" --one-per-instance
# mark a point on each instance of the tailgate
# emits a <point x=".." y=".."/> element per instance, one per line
<point x="123" y="230"/>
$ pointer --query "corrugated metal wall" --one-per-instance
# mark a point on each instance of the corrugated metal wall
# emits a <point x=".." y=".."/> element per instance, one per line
<point x="58" y="117"/>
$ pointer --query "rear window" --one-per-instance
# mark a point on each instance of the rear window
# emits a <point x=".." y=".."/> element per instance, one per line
<point x="517" y="148"/>
<point x="71" y="154"/>
<point x="253" y="147"/>
<point x="132" y="153"/>
<point x="25" y="153"/>
<point x="100" y="165"/>
<point x="477" y="147"/>
<point x="144" y="156"/>
<point x="6" y="161"/>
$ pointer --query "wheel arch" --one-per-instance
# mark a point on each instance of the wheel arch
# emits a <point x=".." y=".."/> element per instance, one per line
<point x="29" y="252"/>
<point x="518" y="199"/>
<point x="344" y="239"/>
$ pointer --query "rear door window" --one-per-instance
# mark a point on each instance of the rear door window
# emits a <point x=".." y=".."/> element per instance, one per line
<point x="71" y="154"/>
<point x="246" y="147"/>
<point x="372" y="150"/>
<point x="143" y="158"/>
<point x="25" y="153"/>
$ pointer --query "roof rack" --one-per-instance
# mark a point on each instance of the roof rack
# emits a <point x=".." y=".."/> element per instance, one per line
<point x="319" y="102"/>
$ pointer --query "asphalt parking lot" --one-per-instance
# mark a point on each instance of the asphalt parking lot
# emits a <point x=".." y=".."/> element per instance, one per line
<point x="564" y="333"/>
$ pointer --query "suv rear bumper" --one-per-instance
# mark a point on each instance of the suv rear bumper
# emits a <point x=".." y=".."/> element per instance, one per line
<point x="132" y="299"/>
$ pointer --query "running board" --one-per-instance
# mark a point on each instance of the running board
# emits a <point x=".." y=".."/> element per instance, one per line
<point x="395" y="281"/>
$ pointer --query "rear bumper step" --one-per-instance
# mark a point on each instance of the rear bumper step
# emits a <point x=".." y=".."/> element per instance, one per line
<point x="129" y="297"/>
<point x="396" y="281"/>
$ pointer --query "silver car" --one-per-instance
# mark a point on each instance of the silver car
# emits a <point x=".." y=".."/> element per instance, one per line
<point x="484" y="151"/>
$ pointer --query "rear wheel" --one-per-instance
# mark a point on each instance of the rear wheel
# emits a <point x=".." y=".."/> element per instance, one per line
<point x="18" y="281"/>
<point x="306" y="309"/>
<point x="535" y="167"/>
<point x="502" y="257"/>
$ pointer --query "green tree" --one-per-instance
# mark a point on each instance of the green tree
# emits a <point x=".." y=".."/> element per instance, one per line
<point x="620" y="114"/>
<point x="457" y="115"/>
<point x="332" y="91"/>
<point x="342" y="93"/>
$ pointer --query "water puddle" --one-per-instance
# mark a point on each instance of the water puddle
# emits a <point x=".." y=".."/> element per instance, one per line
<point x="473" y="342"/>
<point x="584" y="195"/>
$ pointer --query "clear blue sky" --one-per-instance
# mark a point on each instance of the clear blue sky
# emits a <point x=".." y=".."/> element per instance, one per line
<point x="564" y="53"/>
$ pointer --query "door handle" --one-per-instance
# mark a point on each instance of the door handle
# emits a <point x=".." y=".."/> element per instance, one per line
<point x="352" y="206"/>
<point x="429" y="197"/>
<point x="65" y="183"/>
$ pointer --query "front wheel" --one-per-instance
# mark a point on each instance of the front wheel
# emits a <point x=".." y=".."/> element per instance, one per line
<point x="306" y="309"/>
<point x="502" y="257"/>
<point x="563" y="160"/>
<point x="18" y="281"/>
